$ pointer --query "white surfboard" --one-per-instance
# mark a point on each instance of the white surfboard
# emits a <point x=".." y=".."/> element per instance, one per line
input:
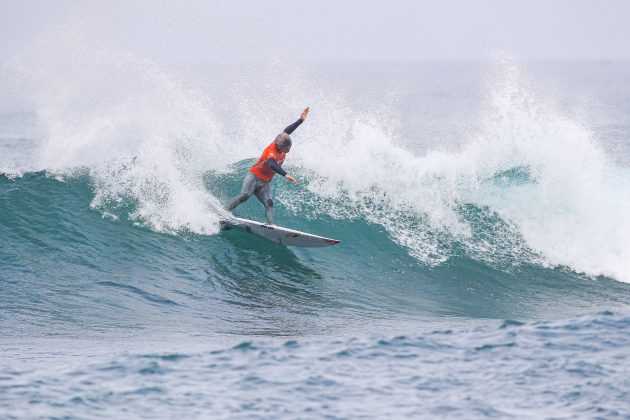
<point x="278" y="234"/>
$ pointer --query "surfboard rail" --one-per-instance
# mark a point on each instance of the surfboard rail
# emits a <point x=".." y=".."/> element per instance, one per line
<point x="278" y="234"/>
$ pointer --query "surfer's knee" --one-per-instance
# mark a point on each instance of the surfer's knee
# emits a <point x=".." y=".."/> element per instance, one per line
<point x="269" y="202"/>
<point x="243" y="198"/>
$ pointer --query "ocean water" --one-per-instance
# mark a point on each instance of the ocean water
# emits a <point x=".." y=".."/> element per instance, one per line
<point x="483" y="208"/>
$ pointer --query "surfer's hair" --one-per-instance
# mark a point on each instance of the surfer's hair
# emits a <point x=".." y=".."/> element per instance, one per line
<point x="283" y="140"/>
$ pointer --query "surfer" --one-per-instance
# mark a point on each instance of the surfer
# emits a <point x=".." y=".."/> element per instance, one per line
<point x="257" y="181"/>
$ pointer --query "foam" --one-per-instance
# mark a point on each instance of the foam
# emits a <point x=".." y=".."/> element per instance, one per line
<point x="571" y="212"/>
<point x="135" y="129"/>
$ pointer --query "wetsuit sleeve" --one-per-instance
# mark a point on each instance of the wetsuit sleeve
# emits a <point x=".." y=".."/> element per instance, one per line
<point x="276" y="167"/>
<point x="290" y="129"/>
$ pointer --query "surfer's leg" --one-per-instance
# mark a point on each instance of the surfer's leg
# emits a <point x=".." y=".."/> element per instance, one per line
<point x="264" y="195"/>
<point x="249" y="185"/>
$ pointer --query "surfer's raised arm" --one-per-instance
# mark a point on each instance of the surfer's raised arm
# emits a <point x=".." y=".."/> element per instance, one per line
<point x="290" y="129"/>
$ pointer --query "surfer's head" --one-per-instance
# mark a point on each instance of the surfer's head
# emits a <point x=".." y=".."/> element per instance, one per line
<point x="283" y="141"/>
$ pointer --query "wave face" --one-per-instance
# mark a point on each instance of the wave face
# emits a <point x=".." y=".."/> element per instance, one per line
<point x="462" y="194"/>
<point x="57" y="250"/>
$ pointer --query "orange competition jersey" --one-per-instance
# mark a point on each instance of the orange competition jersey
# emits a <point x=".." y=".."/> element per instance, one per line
<point x="262" y="169"/>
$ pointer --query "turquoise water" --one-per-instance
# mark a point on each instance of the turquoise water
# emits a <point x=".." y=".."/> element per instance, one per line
<point x="483" y="269"/>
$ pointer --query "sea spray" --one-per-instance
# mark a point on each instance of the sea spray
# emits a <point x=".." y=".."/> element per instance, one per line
<point x="140" y="134"/>
<point x="567" y="211"/>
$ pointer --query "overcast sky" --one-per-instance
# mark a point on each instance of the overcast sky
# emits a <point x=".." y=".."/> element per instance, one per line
<point x="207" y="31"/>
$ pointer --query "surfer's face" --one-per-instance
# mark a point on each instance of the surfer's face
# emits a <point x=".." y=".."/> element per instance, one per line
<point x="285" y="149"/>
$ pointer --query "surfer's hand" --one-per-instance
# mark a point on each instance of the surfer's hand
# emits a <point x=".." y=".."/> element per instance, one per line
<point x="290" y="178"/>
<point x="304" y="114"/>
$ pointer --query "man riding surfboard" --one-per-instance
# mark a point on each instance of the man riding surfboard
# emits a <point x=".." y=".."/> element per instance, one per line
<point x="258" y="179"/>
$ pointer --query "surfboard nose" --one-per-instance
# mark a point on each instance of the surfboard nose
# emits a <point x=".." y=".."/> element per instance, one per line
<point x="332" y="241"/>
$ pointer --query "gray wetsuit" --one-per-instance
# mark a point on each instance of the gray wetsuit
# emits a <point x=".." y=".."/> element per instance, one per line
<point x="261" y="189"/>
